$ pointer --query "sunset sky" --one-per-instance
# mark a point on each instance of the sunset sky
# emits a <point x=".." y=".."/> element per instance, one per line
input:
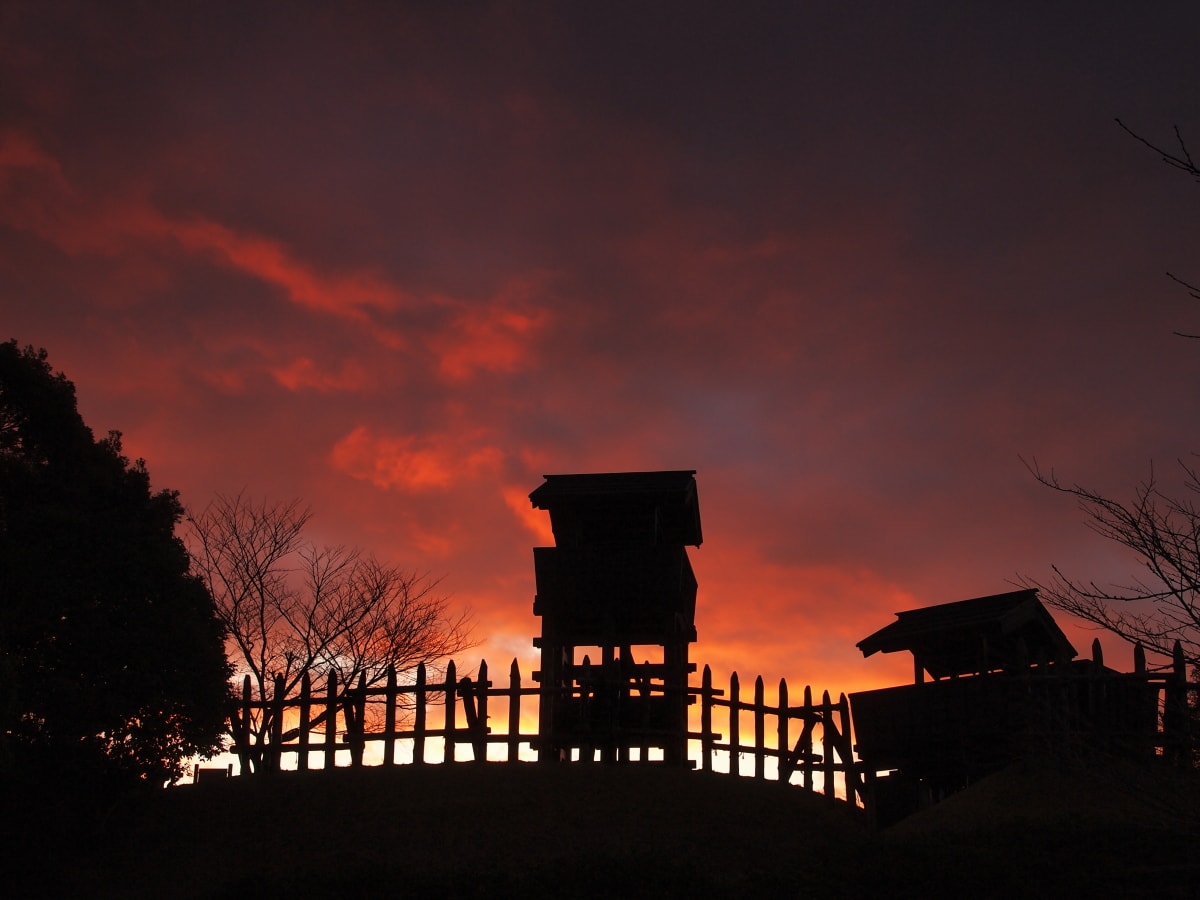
<point x="849" y="261"/>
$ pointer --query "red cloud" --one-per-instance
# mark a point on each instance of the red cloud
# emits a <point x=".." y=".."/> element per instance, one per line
<point x="495" y="337"/>
<point x="344" y="294"/>
<point x="303" y="373"/>
<point x="46" y="204"/>
<point x="405" y="462"/>
<point x="20" y="151"/>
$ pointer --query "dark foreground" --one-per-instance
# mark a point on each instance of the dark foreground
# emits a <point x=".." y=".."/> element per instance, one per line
<point x="573" y="831"/>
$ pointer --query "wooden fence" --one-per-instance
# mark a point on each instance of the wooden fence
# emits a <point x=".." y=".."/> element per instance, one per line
<point x="1143" y="713"/>
<point x="425" y="722"/>
<point x="823" y="747"/>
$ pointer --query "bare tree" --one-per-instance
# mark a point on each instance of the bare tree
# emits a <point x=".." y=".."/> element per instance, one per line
<point x="292" y="607"/>
<point x="1180" y="159"/>
<point x="1162" y="604"/>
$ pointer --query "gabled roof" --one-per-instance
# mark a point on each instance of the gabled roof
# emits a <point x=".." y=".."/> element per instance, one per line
<point x="975" y="635"/>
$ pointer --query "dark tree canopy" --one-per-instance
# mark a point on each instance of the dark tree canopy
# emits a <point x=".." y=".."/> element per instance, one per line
<point x="111" y="654"/>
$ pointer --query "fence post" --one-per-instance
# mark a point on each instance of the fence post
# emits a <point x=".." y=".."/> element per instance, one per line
<point x="1175" y="711"/>
<point x="419" y="716"/>
<point x="610" y="692"/>
<point x="243" y="729"/>
<point x="587" y="711"/>
<point x="646" y="724"/>
<point x="331" y="723"/>
<point x="853" y="784"/>
<point x="707" y="738"/>
<point x="785" y="766"/>
<point x="734" y="736"/>
<point x="760" y="729"/>
<point x="449" y="717"/>
<point x="827" y="741"/>
<point x="514" y="711"/>
<point x="474" y="699"/>
<point x="389" y="719"/>
<point x="278" y="704"/>
<point x="356" y="723"/>
<point x="805" y="744"/>
<point x="305" y="709"/>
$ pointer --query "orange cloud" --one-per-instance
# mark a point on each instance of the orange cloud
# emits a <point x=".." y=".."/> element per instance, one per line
<point x="405" y="462"/>
<point x="535" y="520"/>
<point x="431" y="543"/>
<point x="798" y="621"/>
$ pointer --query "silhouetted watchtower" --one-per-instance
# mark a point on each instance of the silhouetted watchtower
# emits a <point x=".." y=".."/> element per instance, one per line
<point x="617" y="599"/>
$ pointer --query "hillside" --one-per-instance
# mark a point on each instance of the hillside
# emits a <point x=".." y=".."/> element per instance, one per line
<point x="472" y="831"/>
<point x="1088" y="826"/>
<point x="575" y="831"/>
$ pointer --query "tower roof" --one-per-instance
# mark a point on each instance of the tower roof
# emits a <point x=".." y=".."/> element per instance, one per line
<point x="671" y="495"/>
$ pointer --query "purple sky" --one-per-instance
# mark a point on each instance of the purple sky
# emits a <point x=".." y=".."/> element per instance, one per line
<point x="850" y="262"/>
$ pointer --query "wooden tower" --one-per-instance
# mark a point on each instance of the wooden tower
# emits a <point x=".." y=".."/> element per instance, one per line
<point x="617" y="600"/>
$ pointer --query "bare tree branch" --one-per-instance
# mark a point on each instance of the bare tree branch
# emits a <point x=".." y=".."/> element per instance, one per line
<point x="1162" y="604"/>
<point x="1180" y="159"/>
<point x="294" y="608"/>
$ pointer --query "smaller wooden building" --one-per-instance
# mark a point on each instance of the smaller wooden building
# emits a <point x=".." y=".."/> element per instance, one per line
<point x="1004" y="683"/>
<point x="1001" y="632"/>
<point x="617" y="598"/>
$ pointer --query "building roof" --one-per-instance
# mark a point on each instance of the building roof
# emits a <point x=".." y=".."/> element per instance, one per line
<point x="560" y="487"/>
<point x="969" y="636"/>
<point x="613" y="497"/>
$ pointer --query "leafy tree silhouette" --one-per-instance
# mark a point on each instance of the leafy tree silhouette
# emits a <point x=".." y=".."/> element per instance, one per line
<point x="112" y="663"/>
